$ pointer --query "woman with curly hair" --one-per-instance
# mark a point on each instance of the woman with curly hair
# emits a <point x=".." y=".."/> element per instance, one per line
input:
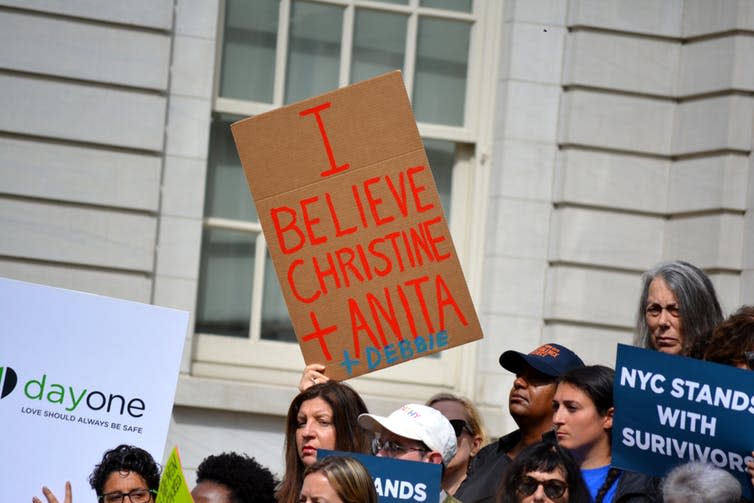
<point x="733" y="340"/>
<point x="124" y="471"/>
<point x="233" y="478"/>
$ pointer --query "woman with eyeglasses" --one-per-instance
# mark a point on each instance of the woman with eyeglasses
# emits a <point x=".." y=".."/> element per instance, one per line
<point x="543" y="473"/>
<point x="125" y="473"/>
<point x="583" y="412"/>
<point x="469" y="431"/>
<point x="337" y="479"/>
<point x="678" y="309"/>
<point x="323" y="416"/>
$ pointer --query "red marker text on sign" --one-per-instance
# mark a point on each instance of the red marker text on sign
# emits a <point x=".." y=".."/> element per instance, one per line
<point x="432" y="297"/>
<point x="317" y="219"/>
<point x="334" y="168"/>
<point x="378" y="318"/>
<point x="351" y="265"/>
<point x="319" y="333"/>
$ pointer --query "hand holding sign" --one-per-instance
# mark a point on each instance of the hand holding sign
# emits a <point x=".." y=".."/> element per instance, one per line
<point x="355" y="228"/>
<point x="313" y="374"/>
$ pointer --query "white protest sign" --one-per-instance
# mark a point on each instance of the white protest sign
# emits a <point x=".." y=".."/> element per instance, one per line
<point x="80" y="374"/>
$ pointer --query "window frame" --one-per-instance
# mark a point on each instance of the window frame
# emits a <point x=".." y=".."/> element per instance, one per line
<point x="270" y="361"/>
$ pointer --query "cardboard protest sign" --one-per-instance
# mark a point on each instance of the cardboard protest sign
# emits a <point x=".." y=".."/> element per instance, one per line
<point x="355" y="228"/>
<point x="80" y="374"/>
<point x="672" y="409"/>
<point x="173" y="486"/>
<point x="398" y="480"/>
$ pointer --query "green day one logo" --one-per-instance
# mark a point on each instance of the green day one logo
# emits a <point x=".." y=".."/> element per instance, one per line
<point x="8" y="380"/>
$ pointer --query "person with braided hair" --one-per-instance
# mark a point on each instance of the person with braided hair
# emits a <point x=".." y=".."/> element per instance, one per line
<point x="583" y="412"/>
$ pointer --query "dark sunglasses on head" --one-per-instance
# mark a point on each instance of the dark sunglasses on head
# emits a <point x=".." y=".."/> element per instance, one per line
<point x="459" y="425"/>
<point x="553" y="488"/>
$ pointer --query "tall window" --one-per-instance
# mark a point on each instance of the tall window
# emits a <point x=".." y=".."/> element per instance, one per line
<point x="274" y="52"/>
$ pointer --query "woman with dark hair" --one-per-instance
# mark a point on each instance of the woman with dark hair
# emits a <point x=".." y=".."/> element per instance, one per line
<point x="543" y="473"/>
<point x="583" y="412"/>
<point x="323" y="416"/>
<point x="233" y="478"/>
<point x="124" y="471"/>
<point x="733" y="344"/>
<point x="678" y="309"/>
<point x="733" y="340"/>
<point x="337" y="479"/>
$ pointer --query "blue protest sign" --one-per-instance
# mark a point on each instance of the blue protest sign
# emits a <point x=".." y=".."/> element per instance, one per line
<point x="671" y="410"/>
<point x="397" y="480"/>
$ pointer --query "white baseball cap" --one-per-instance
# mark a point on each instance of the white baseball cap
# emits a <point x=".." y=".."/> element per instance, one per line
<point x="417" y="422"/>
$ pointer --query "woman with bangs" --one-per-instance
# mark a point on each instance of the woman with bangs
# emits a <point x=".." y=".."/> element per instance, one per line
<point x="543" y="473"/>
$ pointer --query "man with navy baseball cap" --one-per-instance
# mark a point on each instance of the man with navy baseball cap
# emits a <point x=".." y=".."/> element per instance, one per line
<point x="530" y="405"/>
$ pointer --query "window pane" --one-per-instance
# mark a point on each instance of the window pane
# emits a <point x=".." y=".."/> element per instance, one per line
<point x="249" y="41"/>
<point x="227" y="192"/>
<point x="457" y="5"/>
<point x="276" y="323"/>
<point x="314" y="46"/>
<point x="441" y="63"/>
<point x="226" y="274"/>
<point x="379" y="44"/>
<point x="441" y="155"/>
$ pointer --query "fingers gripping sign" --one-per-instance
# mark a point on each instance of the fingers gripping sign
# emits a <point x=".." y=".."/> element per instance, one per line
<point x="313" y="374"/>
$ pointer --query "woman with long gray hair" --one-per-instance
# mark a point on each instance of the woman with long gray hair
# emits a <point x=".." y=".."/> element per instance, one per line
<point x="678" y="309"/>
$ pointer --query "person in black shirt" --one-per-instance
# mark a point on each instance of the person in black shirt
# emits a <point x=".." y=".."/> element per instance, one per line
<point x="530" y="405"/>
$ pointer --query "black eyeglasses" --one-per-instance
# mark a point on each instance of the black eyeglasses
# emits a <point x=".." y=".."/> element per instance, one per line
<point x="553" y="488"/>
<point x="135" y="496"/>
<point x="459" y="425"/>
<point x="749" y="357"/>
<point x="392" y="448"/>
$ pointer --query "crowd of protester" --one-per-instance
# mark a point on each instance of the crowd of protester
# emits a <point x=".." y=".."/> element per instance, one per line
<point x="561" y="451"/>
